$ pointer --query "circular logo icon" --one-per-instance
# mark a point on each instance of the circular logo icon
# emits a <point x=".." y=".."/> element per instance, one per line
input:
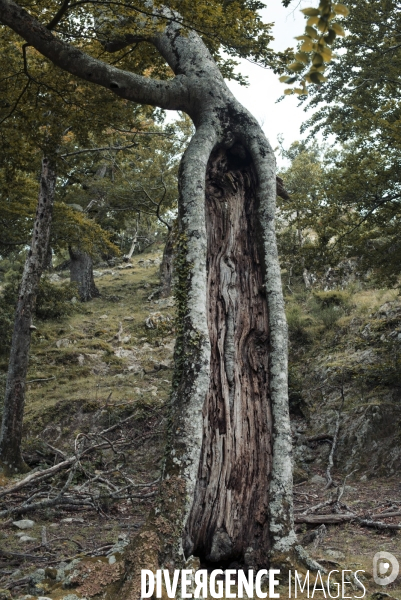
<point x="385" y="568"/>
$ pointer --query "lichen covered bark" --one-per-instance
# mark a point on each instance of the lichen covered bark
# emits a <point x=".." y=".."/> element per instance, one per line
<point x="14" y="401"/>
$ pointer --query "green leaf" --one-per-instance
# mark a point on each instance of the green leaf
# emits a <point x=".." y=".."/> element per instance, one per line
<point x="330" y="37"/>
<point x="327" y="54"/>
<point x="316" y="77"/>
<point x="338" y="29"/>
<point x="307" y="46"/>
<point x="312" y="21"/>
<point x="287" y="79"/>
<point x="288" y="92"/>
<point x="302" y="57"/>
<point x="317" y="60"/>
<point x="296" y="66"/>
<point x="310" y="12"/>
<point x="341" y="9"/>
<point x="323" y="25"/>
<point x="311" y="31"/>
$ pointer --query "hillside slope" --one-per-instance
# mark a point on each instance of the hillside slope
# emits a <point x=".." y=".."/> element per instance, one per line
<point x="102" y="377"/>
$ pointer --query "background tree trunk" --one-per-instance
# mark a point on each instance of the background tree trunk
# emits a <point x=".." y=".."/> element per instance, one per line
<point x="11" y="429"/>
<point x="81" y="272"/>
<point x="167" y="264"/>
<point x="48" y="264"/>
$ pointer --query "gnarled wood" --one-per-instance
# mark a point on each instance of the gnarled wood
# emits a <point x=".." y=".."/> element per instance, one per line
<point x="229" y="518"/>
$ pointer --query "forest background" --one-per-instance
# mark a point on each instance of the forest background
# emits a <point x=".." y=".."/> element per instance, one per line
<point x="115" y="206"/>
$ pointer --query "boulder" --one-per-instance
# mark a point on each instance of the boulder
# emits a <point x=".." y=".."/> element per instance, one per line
<point x="24" y="524"/>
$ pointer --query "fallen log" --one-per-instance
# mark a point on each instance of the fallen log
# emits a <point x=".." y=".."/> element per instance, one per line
<point x="324" y="519"/>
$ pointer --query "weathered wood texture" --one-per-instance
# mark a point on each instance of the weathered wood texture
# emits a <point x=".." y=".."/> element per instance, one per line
<point x="11" y="429"/>
<point x="230" y="509"/>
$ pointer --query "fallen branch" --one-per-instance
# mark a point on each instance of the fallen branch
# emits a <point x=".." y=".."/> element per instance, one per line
<point x="324" y="519"/>
<point x="334" y="519"/>
<point x="378" y="524"/>
<point x="387" y="515"/>
<point x="322" y="437"/>
<point x="39" y="476"/>
<point x="9" y="554"/>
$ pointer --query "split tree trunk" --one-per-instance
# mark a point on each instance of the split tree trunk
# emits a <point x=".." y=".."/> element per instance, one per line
<point x="81" y="273"/>
<point x="11" y="429"/>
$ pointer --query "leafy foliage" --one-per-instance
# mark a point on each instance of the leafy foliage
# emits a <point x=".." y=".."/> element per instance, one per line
<point x="314" y="50"/>
<point x="55" y="301"/>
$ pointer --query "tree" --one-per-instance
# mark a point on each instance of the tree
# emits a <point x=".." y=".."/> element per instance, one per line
<point x="11" y="427"/>
<point x="299" y="213"/>
<point x="227" y="484"/>
<point x="360" y="105"/>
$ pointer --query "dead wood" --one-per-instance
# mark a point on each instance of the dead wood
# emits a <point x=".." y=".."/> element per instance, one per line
<point x="333" y="519"/>
<point x="38" y="476"/>
<point x="324" y="519"/>
<point x="322" y="437"/>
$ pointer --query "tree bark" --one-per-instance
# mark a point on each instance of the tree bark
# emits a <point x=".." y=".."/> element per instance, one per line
<point x="167" y="264"/>
<point x="226" y="490"/>
<point x="11" y="428"/>
<point x="81" y="273"/>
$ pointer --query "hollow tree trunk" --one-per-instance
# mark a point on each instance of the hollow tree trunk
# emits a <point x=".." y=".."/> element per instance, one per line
<point x="11" y="428"/>
<point x="81" y="273"/>
<point x="227" y="481"/>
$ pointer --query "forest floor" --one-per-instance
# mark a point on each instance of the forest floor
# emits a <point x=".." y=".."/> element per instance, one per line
<point x="99" y="383"/>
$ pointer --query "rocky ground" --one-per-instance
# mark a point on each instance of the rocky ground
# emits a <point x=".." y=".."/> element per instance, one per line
<point x="99" y="382"/>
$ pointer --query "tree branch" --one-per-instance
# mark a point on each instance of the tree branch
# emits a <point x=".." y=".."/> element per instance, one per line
<point x="144" y="90"/>
<point x="58" y="16"/>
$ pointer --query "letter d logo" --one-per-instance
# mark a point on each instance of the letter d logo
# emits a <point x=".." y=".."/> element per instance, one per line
<point x="381" y="564"/>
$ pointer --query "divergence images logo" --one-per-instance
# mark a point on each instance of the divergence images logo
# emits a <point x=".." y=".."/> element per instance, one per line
<point x="382" y="561"/>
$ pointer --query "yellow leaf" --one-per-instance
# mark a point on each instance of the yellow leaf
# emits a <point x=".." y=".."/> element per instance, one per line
<point x="307" y="46"/>
<point x="327" y="54"/>
<point x="288" y="92"/>
<point x="337" y="28"/>
<point x="317" y="60"/>
<point x="341" y="9"/>
<point x="296" y="66"/>
<point x="312" y="21"/>
<point x="323" y="25"/>
<point x="311" y="31"/>
<point x="310" y="12"/>
<point x="302" y="57"/>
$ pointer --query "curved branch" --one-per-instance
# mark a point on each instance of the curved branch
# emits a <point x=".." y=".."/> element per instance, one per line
<point x="144" y="90"/>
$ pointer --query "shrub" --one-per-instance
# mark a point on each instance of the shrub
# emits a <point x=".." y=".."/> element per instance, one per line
<point x="54" y="301"/>
<point x="332" y="298"/>
<point x="297" y="323"/>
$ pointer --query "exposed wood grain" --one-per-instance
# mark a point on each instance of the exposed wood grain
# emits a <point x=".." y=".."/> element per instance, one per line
<point x="230" y="510"/>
